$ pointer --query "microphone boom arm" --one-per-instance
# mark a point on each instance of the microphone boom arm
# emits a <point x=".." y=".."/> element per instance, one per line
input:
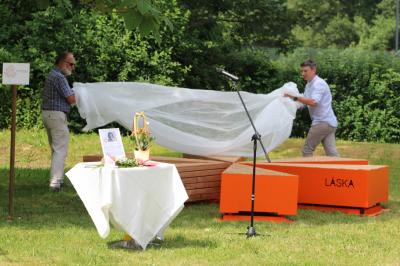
<point x="227" y="74"/>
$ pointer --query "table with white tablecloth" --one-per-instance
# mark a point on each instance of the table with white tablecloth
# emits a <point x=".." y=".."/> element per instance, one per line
<point x="142" y="201"/>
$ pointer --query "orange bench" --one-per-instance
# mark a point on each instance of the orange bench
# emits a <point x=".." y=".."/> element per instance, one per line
<point x="275" y="193"/>
<point x="356" y="186"/>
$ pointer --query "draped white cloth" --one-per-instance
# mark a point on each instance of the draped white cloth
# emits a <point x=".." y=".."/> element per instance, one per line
<point x="200" y="122"/>
<point x="141" y="201"/>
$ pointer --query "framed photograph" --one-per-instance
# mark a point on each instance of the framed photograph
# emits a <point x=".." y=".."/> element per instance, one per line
<point x="111" y="144"/>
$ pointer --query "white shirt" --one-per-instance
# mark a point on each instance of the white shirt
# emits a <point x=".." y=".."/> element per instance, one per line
<point x="318" y="90"/>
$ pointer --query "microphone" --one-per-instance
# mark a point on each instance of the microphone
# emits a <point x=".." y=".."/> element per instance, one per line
<point x="227" y="74"/>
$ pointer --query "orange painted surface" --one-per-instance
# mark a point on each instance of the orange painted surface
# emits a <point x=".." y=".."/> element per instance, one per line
<point x="274" y="193"/>
<point x="361" y="186"/>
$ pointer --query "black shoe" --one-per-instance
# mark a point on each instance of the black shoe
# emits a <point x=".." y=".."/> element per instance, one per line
<point x="55" y="189"/>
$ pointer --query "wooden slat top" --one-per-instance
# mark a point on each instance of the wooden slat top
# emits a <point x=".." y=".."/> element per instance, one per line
<point x="232" y="159"/>
<point x="246" y="169"/>
<point x="182" y="164"/>
<point x="178" y="160"/>
<point x="92" y="158"/>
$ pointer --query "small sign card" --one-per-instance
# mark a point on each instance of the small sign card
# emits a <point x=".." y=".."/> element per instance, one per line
<point x="111" y="144"/>
<point x="16" y="73"/>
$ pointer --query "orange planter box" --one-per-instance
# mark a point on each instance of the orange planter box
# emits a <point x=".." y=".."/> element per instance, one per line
<point x="361" y="186"/>
<point x="274" y="192"/>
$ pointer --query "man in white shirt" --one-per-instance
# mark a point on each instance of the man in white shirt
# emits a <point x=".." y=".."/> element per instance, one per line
<point x="318" y="98"/>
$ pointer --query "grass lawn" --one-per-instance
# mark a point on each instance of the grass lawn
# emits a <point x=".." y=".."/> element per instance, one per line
<point x="55" y="229"/>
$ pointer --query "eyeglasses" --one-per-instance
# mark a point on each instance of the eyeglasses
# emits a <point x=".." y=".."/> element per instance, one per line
<point x="70" y="64"/>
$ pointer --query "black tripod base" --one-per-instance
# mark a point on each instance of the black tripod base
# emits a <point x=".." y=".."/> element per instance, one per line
<point x="251" y="231"/>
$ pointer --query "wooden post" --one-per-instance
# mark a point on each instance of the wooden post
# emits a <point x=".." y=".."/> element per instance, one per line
<point x="12" y="155"/>
<point x="14" y="74"/>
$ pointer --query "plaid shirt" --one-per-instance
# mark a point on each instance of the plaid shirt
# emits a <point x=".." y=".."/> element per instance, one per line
<point x="56" y="90"/>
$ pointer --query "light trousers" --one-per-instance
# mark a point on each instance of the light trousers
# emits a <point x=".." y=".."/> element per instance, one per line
<point x="318" y="133"/>
<point x="56" y="125"/>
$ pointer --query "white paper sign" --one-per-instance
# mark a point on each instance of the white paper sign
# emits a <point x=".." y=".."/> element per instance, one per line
<point x="111" y="144"/>
<point x="16" y="73"/>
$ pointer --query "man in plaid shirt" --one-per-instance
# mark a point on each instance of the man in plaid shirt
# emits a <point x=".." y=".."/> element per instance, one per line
<point x="57" y="100"/>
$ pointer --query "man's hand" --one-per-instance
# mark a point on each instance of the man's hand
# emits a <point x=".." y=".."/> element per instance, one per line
<point x="303" y="100"/>
<point x="294" y="98"/>
<point x="71" y="100"/>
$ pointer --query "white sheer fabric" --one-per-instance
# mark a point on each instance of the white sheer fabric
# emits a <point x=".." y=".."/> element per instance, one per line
<point x="200" y="122"/>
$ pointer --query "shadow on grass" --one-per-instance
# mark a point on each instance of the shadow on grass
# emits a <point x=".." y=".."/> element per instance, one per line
<point x="176" y="242"/>
<point x="36" y="207"/>
<point x="313" y="217"/>
<point x="203" y="212"/>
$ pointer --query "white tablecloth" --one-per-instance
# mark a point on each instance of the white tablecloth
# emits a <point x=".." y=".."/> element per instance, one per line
<point x="141" y="201"/>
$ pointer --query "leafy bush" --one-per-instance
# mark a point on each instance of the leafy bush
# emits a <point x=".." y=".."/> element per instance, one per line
<point x="103" y="48"/>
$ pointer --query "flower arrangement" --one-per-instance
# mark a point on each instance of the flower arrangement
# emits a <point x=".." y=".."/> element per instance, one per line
<point x="142" y="141"/>
<point x="141" y="137"/>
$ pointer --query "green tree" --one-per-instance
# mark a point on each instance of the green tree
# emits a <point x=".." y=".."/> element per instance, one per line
<point x="104" y="48"/>
<point x="343" y="23"/>
<point x="143" y="15"/>
<point x="380" y="34"/>
<point x="225" y="32"/>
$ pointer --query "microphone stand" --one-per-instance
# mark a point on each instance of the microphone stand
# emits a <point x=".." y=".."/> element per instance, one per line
<point x="251" y="231"/>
